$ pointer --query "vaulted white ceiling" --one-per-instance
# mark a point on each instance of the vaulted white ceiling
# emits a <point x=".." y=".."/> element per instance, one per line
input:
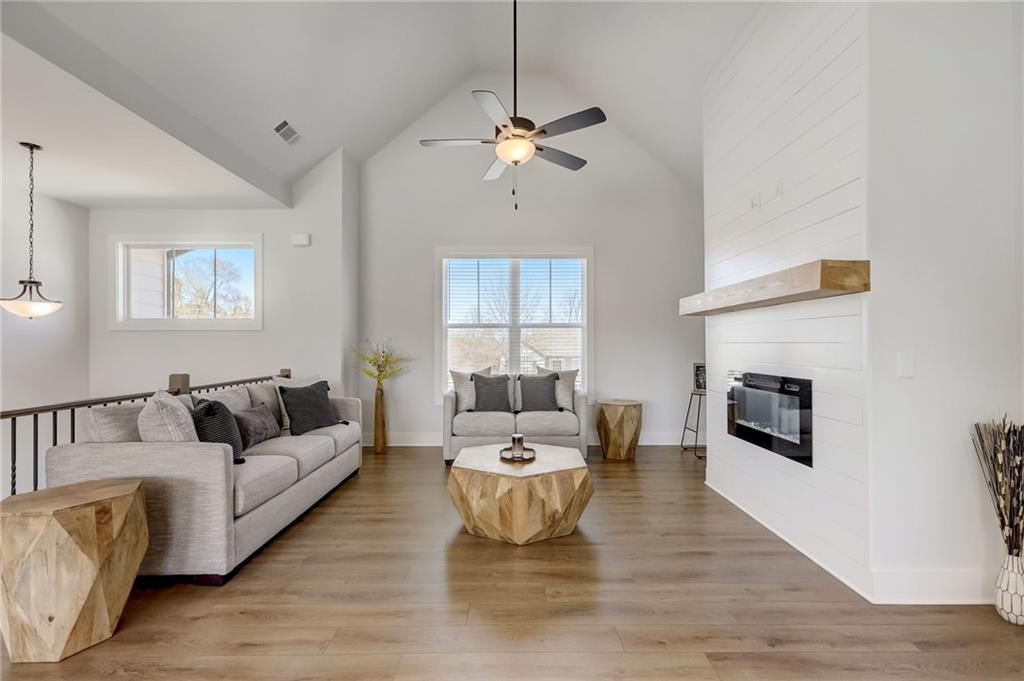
<point x="220" y="76"/>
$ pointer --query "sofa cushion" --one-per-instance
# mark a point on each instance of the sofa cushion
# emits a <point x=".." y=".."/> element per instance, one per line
<point x="484" y="423"/>
<point x="236" y="399"/>
<point x="465" y="391"/>
<point x="344" y="435"/>
<point x="262" y="478"/>
<point x="547" y="423"/>
<point x="289" y="383"/>
<point x="266" y="394"/>
<point x="309" y="451"/>
<point x="113" y="423"/>
<point x="308" y="408"/>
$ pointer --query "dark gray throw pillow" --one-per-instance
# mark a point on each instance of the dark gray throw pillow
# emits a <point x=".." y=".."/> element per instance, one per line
<point x="491" y="393"/>
<point x="308" y="408"/>
<point x="214" y="422"/>
<point x="539" y="393"/>
<point x="256" y="425"/>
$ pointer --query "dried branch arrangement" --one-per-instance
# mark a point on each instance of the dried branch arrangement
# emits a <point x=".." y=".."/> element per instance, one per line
<point x="1000" y="449"/>
<point x="380" y="361"/>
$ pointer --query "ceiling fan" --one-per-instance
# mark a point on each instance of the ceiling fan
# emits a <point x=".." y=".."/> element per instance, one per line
<point x="516" y="139"/>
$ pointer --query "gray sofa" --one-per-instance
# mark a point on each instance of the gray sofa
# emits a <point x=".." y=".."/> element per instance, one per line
<point x="206" y="514"/>
<point x="470" y="428"/>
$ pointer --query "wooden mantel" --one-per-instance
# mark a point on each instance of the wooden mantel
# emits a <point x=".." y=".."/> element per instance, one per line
<point x="816" y="279"/>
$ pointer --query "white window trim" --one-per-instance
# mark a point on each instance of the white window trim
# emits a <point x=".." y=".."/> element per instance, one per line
<point x="116" y="244"/>
<point x="442" y="253"/>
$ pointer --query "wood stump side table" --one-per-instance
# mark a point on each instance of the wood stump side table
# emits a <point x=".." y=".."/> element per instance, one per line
<point x="70" y="556"/>
<point x="618" y="427"/>
<point x="519" y="503"/>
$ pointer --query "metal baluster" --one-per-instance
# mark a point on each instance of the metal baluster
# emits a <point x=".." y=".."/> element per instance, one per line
<point x="14" y="456"/>
<point x="54" y="429"/>
<point x="72" y="411"/>
<point x="35" y="452"/>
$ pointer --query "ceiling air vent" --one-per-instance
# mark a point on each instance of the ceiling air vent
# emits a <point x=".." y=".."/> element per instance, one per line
<point x="285" y="130"/>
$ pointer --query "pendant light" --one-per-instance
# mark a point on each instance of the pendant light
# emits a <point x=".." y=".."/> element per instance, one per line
<point x="31" y="302"/>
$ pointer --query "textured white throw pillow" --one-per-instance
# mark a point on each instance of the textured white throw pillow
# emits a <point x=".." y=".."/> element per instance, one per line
<point x="165" y="419"/>
<point x="286" y="423"/>
<point x="566" y="388"/>
<point x="465" y="391"/>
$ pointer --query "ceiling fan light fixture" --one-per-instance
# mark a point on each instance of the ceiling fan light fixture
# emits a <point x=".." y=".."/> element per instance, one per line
<point x="515" y="150"/>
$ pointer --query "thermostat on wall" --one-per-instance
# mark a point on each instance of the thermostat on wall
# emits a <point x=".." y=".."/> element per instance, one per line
<point x="300" y="239"/>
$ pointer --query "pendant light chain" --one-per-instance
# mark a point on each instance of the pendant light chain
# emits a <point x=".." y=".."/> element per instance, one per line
<point x="31" y="213"/>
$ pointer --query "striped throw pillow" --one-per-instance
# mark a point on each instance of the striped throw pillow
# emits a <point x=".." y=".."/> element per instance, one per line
<point x="214" y="422"/>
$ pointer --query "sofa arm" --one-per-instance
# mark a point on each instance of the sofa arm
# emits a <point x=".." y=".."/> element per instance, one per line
<point x="348" y="409"/>
<point x="449" y="418"/>
<point x="582" y="408"/>
<point x="189" y="490"/>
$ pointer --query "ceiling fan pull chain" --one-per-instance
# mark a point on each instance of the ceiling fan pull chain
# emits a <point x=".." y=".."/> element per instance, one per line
<point x="515" y="184"/>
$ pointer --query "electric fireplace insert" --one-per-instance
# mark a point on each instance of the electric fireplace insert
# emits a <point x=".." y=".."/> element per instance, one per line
<point x="773" y="412"/>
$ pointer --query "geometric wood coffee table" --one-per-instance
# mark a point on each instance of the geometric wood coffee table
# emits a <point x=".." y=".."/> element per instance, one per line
<point x="70" y="556"/>
<point x="519" y="503"/>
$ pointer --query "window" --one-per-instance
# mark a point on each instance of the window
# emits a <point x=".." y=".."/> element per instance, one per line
<point x="194" y="284"/>
<point x="514" y="314"/>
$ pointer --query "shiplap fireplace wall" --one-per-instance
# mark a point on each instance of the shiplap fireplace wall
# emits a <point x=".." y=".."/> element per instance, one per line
<point x="872" y="132"/>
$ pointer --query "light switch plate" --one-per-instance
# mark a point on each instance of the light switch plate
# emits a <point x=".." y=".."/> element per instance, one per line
<point x="905" y="364"/>
<point x="300" y="240"/>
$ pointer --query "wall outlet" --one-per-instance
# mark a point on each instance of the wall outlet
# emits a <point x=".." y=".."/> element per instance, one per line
<point x="904" y="364"/>
<point x="301" y="239"/>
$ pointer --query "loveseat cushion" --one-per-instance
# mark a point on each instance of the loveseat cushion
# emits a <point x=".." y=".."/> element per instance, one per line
<point x="309" y="451"/>
<point x="484" y="423"/>
<point x="344" y="435"/>
<point x="547" y="423"/>
<point x="236" y="399"/>
<point x="262" y="478"/>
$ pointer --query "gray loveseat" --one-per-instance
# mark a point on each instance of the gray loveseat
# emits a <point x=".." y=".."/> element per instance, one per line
<point x="470" y="428"/>
<point x="206" y="514"/>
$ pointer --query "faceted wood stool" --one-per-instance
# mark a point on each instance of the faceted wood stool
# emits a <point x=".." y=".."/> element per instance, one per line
<point x="70" y="556"/>
<point x="618" y="427"/>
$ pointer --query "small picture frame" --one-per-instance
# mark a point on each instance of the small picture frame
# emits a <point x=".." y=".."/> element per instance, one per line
<point x="700" y="376"/>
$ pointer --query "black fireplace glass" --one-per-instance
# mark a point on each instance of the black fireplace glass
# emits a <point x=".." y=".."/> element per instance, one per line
<point x="773" y="412"/>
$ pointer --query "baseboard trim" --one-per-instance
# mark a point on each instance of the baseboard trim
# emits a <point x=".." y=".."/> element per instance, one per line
<point x="934" y="587"/>
<point x="820" y="563"/>
<point x="413" y="439"/>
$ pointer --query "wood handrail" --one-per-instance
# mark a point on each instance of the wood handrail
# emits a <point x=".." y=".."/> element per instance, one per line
<point x="115" y="399"/>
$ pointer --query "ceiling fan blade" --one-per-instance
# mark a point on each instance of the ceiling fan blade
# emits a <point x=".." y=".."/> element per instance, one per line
<point x="454" y="143"/>
<point x="570" y="123"/>
<point x="560" y="158"/>
<point x="495" y="170"/>
<point x="491" y="105"/>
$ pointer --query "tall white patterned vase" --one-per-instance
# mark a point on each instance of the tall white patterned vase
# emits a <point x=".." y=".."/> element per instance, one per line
<point x="1010" y="590"/>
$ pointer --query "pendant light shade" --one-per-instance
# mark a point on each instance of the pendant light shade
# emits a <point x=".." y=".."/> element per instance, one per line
<point x="30" y="302"/>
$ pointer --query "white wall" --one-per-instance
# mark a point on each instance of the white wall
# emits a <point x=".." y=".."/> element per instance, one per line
<point x="43" y="360"/>
<point x="784" y="128"/>
<point x="642" y="222"/>
<point x="945" y="244"/>
<point x="309" y="297"/>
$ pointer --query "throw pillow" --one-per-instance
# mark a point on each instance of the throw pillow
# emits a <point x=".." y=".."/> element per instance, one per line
<point x="113" y="423"/>
<point x="566" y="390"/>
<point x="537" y="393"/>
<point x="166" y="419"/>
<point x="290" y="383"/>
<point x="256" y="425"/>
<point x="266" y="394"/>
<point x="465" y="393"/>
<point x="492" y="392"/>
<point x="308" y="408"/>
<point x="215" y="423"/>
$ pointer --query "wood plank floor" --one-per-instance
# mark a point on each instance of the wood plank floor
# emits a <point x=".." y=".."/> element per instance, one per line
<point x="662" y="580"/>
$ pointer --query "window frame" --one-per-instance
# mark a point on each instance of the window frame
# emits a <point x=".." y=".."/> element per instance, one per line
<point x="117" y="269"/>
<point x="584" y="253"/>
